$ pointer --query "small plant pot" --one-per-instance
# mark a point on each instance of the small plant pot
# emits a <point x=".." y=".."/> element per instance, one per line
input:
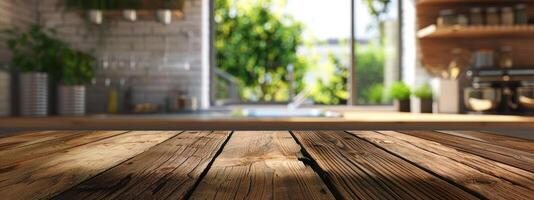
<point x="130" y="15"/>
<point x="33" y="94"/>
<point x="95" y="16"/>
<point x="426" y="105"/>
<point x="403" y="105"/>
<point x="164" y="16"/>
<point x="71" y="100"/>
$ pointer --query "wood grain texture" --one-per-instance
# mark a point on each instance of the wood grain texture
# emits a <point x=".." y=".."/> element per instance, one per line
<point x="505" y="141"/>
<point x="49" y="175"/>
<point x="17" y="140"/>
<point x="261" y="165"/>
<point x="43" y="148"/>
<point x="486" y="177"/>
<point x="167" y="171"/>
<point x="509" y="156"/>
<point x="360" y="170"/>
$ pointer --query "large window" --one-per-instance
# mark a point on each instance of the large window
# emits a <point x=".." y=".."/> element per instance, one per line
<point x="269" y="51"/>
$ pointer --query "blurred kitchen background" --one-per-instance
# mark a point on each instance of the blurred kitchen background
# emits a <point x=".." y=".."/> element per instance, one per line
<point x="76" y="57"/>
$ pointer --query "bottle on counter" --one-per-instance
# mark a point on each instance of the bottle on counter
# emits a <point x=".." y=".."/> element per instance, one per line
<point x="113" y="97"/>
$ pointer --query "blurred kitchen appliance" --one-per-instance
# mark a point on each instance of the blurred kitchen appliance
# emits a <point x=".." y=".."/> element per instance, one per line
<point x="500" y="90"/>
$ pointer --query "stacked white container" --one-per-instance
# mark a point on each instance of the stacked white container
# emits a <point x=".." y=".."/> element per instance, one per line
<point x="5" y="95"/>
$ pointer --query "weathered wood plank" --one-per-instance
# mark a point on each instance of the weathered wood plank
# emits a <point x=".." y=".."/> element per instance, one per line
<point x="261" y="165"/>
<point x="49" y="175"/>
<point x="168" y="170"/>
<point x="22" y="139"/>
<point x="505" y="141"/>
<point x="513" y="157"/>
<point x="486" y="177"/>
<point x="361" y="170"/>
<point x="35" y="150"/>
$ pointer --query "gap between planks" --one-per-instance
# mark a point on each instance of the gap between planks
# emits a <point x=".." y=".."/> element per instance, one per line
<point x="169" y="170"/>
<point x="513" y="157"/>
<point x="261" y="165"/>
<point x="485" y="177"/>
<point x="361" y="170"/>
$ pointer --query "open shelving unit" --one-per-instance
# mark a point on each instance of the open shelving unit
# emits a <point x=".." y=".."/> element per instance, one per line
<point x="492" y="32"/>
<point x="436" y="43"/>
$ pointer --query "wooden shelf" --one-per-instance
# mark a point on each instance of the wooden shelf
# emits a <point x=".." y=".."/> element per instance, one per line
<point x="144" y="14"/>
<point x="432" y="2"/>
<point x="465" y="32"/>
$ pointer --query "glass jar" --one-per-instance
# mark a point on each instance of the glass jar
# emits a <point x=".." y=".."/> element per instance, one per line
<point x="446" y="18"/>
<point x="462" y="20"/>
<point x="505" y="57"/>
<point x="520" y="14"/>
<point x="507" y="16"/>
<point x="475" y="16"/>
<point x="492" y="17"/>
<point x="484" y="58"/>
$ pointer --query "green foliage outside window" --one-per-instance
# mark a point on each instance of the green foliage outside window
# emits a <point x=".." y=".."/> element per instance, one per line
<point x="256" y="46"/>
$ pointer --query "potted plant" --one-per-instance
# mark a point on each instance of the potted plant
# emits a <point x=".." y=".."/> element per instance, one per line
<point x="93" y="8"/>
<point x="425" y="95"/>
<point x="35" y="55"/>
<point x="76" y="71"/>
<point x="164" y="13"/>
<point x="401" y="93"/>
<point x="129" y="9"/>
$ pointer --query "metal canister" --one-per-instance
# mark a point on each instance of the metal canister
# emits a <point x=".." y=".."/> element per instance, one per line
<point x="33" y="94"/>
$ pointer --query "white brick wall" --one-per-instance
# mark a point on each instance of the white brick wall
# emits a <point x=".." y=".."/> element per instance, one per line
<point x="159" y="51"/>
<point x="14" y="13"/>
<point x="18" y="13"/>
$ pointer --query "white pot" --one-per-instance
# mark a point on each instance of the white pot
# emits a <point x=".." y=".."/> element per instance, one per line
<point x="33" y="94"/>
<point x="5" y="94"/>
<point x="95" y="16"/>
<point x="129" y="15"/>
<point x="164" y="16"/>
<point x="71" y="100"/>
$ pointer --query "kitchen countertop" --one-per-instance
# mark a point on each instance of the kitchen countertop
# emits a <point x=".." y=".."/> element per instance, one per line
<point x="351" y="120"/>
